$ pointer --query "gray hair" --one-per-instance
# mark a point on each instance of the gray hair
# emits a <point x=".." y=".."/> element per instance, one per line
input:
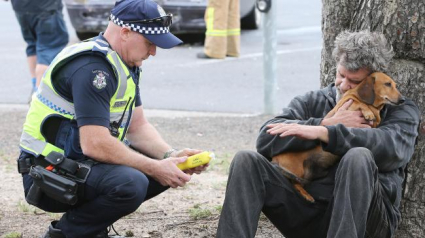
<point x="363" y="49"/>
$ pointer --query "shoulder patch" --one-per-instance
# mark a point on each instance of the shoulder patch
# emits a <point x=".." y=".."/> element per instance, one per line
<point x="100" y="80"/>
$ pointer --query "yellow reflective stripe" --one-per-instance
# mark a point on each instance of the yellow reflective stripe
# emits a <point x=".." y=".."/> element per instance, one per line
<point x="210" y="19"/>
<point x="37" y="146"/>
<point x="121" y="73"/>
<point x="32" y="144"/>
<point x="65" y="53"/>
<point x="55" y="102"/>
<point x="216" y="33"/>
<point x="49" y="148"/>
<point x="234" y="32"/>
<point x="104" y="48"/>
<point x="29" y="150"/>
<point x="229" y="32"/>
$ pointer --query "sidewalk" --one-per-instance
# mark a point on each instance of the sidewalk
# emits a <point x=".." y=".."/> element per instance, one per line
<point x="148" y="112"/>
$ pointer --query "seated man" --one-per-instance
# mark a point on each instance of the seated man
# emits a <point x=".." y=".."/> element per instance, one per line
<point x="360" y="196"/>
<point x="87" y="104"/>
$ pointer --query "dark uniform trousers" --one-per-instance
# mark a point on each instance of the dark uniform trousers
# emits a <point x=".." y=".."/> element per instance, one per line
<point x="110" y="192"/>
<point x="349" y="201"/>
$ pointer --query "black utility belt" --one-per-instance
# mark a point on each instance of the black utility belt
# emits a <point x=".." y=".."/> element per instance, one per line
<point x="62" y="179"/>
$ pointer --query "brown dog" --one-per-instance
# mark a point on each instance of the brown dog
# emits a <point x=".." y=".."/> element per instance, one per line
<point x="369" y="97"/>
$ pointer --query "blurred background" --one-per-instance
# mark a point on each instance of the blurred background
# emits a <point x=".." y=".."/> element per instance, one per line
<point x="175" y="79"/>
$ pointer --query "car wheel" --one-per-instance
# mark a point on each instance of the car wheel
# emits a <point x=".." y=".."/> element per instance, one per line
<point x="252" y="20"/>
<point x="86" y="35"/>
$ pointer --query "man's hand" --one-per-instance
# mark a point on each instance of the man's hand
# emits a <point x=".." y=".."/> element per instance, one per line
<point x="189" y="152"/>
<point x="301" y="131"/>
<point x="185" y="152"/>
<point x="168" y="174"/>
<point x="347" y="118"/>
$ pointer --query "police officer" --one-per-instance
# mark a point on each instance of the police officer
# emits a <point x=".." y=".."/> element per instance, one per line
<point x="87" y="104"/>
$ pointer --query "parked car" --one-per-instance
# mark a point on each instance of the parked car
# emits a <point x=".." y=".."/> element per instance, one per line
<point x="89" y="17"/>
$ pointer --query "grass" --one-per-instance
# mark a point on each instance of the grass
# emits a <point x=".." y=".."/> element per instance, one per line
<point x="197" y="212"/>
<point x="218" y="208"/>
<point x="221" y="163"/>
<point x="129" y="234"/>
<point x="26" y="208"/>
<point x="13" y="234"/>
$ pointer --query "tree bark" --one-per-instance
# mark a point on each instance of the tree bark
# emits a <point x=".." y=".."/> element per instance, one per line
<point x="403" y="24"/>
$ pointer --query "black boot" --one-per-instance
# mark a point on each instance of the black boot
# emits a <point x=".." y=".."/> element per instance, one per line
<point x="202" y="55"/>
<point x="104" y="234"/>
<point x="53" y="232"/>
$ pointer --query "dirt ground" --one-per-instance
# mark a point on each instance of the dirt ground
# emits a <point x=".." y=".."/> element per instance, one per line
<point x="191" y="211"/>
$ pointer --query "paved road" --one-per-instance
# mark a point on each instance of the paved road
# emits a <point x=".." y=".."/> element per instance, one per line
<point x="176" y="80"/>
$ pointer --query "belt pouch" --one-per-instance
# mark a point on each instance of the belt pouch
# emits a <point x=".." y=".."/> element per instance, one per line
<point x="57" y="187"/>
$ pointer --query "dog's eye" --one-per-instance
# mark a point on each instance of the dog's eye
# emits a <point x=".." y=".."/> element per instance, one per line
<point x="388" y="84"/>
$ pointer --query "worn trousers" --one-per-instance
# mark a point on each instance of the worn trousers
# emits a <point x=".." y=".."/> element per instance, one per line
<point x="349" y="200"/>
<point x="222" y="20"/>
<point x="110" y="192"/>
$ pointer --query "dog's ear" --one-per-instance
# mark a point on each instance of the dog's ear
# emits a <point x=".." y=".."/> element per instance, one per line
<point x="366" y="90"/>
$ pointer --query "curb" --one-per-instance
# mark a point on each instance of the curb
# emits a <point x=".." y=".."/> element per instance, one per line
<point x="10" y="107"/>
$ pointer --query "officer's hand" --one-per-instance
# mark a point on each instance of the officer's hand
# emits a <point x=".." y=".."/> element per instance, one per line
<point x="185" y="152"/>
<point x="347" y="118"/>
<point x="167" y="173"/>
<point x="197" y="170"/>
<point x="189" y="152"/>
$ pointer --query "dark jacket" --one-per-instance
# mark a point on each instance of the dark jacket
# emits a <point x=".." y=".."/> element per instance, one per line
<point x="392" y="142"/>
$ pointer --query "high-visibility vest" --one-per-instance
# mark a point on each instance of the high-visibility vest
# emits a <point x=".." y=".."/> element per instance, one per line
<point x="46" y="102"/>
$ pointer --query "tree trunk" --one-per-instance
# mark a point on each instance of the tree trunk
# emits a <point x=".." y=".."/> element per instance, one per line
<point x="403" y="23"/>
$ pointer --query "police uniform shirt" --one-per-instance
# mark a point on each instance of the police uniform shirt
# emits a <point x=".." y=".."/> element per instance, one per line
<point x="78" y="82"/>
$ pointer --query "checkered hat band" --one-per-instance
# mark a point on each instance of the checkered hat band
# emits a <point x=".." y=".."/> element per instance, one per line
<point x="140" y="29"/>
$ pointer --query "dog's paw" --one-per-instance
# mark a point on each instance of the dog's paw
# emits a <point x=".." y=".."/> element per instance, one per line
<point x="303" y="193"/>
<point x="308" y="197"/>
<point x="368" y="115"/>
